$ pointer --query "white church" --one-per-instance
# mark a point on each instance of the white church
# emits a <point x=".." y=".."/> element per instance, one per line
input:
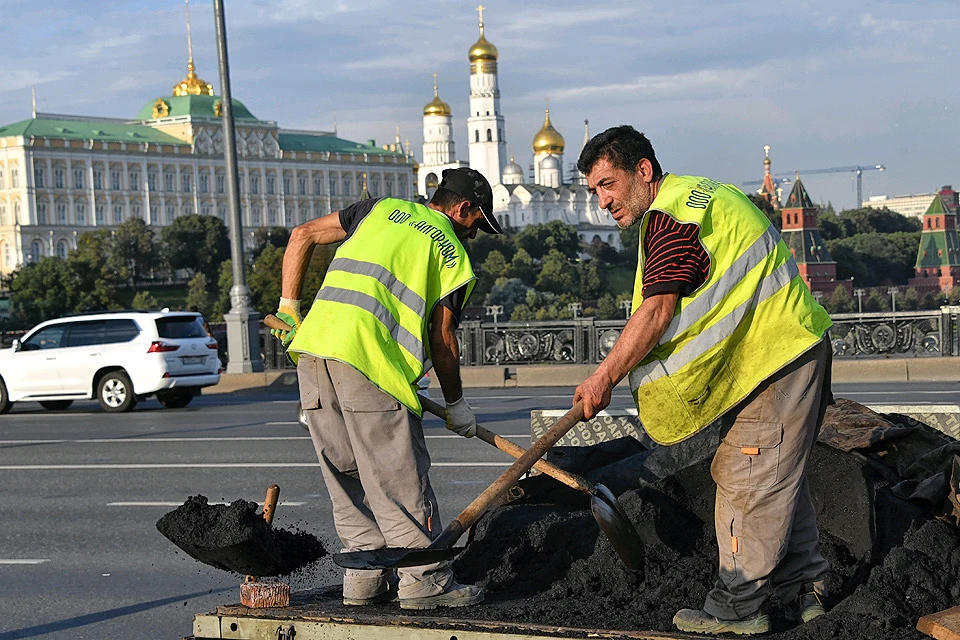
<point x="517" y="202"/>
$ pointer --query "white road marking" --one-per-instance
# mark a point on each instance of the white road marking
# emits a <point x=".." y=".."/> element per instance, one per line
<point x="223" y="439"/>
<point x="208" y="465"/>
<point x="282" y="503"/>
<point x="22" y="561"/>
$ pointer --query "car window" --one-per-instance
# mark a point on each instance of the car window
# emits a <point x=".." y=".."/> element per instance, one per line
<point x="110" y="331"/>
<point x="47" y="338"/>
<point x="181" y="327"/>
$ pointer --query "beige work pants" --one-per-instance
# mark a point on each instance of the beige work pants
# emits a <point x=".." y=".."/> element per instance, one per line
<point x="375" y="463"/>
<point x="765" y="521"/>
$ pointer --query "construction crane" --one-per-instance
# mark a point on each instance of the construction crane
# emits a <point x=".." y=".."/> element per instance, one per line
<point x="857" y="169"/>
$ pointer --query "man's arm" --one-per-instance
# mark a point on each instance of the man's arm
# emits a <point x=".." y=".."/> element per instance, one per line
<point x="643" y="331"/>
<point x="445" y="354"/>
<point x="303" y="239"/>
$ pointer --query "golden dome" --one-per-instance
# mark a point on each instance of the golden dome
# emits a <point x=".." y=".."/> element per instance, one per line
<point x="482" y="49"/>
<point x="548" y="139"/>
<point x="436" y="107"/>
<point x="192" y="85"/>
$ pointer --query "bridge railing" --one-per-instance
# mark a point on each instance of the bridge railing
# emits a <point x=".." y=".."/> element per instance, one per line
<point x="588" y="341"/>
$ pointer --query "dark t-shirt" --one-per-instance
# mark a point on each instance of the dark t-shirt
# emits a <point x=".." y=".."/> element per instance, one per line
<point x="674" y="258"/>
<point x="353" y="215"/>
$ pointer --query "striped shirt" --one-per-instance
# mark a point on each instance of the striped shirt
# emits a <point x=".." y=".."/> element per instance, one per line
<point x="674" y="258"/>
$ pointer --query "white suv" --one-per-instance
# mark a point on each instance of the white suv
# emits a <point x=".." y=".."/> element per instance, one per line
<point x="117" y="358"/>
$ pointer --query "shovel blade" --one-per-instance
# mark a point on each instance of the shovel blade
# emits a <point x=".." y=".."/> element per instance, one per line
<point x="392" y="557"/>
<point x="617" y="527"/>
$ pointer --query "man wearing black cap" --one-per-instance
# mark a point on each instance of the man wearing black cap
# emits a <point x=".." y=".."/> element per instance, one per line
<point x="388" y="309"/>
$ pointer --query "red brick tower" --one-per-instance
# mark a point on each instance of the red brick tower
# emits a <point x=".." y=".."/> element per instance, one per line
<point x="938" y="259"/>
<point x="800" y="233"/>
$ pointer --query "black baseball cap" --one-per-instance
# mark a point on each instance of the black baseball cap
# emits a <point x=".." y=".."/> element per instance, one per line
<point x="470" y="184"/>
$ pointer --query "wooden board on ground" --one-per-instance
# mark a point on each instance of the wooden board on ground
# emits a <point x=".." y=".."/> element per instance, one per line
<point x="943" y="625"/>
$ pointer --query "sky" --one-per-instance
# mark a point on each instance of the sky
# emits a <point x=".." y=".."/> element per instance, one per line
<point x="825" y="83"/>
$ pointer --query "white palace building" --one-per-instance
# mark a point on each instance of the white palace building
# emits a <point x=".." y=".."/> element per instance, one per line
<point x="62" y="175"/>
<point x="518" y="202"/>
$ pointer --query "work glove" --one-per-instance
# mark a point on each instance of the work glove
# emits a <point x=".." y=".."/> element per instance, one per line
<point x="289" y="312"/>
<point x="460" y="418"/>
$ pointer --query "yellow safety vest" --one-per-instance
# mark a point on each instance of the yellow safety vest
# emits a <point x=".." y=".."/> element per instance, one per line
<point x="373" y="311"/>
<point x="752" y="316"/>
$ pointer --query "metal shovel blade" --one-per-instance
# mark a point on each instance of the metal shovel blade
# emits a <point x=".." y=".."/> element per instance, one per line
<point x="617" y="527"/>
<point x="393" y="557"/>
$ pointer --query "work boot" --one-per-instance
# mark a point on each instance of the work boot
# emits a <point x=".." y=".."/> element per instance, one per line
<point x="806" y="607"/>
<point x="363" y="587"/>
<point x="699" y="621"/>
<point x="418" y="596"/>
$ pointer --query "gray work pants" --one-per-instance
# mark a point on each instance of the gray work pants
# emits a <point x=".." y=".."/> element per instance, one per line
<point x="375" y="462"/>
<point x="765" y="521"/>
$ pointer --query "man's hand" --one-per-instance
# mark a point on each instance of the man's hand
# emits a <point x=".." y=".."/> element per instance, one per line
<point x="289" y="312"/>
<point x="595" y="393"/>
<point x="460" y="418"/>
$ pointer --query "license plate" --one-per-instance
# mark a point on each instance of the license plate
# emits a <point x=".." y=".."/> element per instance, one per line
<point x="193" y="359"/>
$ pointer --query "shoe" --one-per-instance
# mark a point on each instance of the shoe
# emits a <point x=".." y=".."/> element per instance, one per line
<point x="455" y="595"/>
<point x="805" y="608"/>
<point x="699" y="621"/>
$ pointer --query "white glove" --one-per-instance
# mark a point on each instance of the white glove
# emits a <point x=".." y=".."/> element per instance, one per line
<point x="460" y="418"/>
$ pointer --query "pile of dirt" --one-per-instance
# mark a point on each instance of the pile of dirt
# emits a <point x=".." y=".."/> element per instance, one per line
<point x="542" y="563"/>
<point x="234" y="537"/>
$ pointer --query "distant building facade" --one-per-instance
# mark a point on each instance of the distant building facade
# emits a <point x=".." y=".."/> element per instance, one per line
<point x="912" y="206"/>
<point x="62" y="175"/>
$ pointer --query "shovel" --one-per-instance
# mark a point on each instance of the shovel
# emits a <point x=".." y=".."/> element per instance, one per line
<point x="603" y="505"/>
<point x="441" y="547"/>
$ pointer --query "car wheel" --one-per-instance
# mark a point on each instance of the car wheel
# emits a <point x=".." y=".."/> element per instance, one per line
<point x="56" y="405"/>
<point x="174" y="399"/>
<point x="5" y="404"/>
<point x="115" y="392"/>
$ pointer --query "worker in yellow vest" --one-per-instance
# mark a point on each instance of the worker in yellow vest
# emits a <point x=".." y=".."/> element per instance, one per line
<point x="388" y="310"/>
<point x="723" y="327"/>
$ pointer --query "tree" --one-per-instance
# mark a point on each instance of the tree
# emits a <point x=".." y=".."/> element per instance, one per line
<point x="840" y="301"/>
<point x="869" y="220"/>
<point x="42" y="290"/>
<point x="873" y="259"/>
<point x="556" y="275"/>
<point x="144" y="300"/>
<point x="523" y="268"/>
<point x="607" y="308"/>
<point x="508" y="292"/>
<point x="97" y="273"/>
<point x="198" y="298"/>
<point x="264" y="279"/>
<point x="495" y="266"/>
<point x="540" y="239"/>
<point x="135" y="247"/>
<point x="630" y="239"/>
<point x="195" y="244"/>
<point x="590" y="275"/>
<point x="274" y="236"/>
<point x="484" y="243"/>
<point x="224" y="283"/>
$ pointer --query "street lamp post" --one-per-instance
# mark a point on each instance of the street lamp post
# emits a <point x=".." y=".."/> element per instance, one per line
<point x="575" y="308"/>
<point x="494" y="310"/>
<point x="859" y="293"/>
<point x="893" y="291"/>
<point x="626" y="305"/>
<point x="243" y="330"/>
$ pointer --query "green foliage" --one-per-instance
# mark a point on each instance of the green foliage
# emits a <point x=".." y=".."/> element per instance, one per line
<point x="135" y="247"/>
<point x="630" y="239"/>
<point x="144" y="300"/>
<point x="42" y="290"/>
<point x="767" y="208"/>
<point x="484" y="243"/>
<point x="495" y="265"/>
<point x="590" y="274"/>
<point x="829" y="225"/>
<point x="96" y="275"/>
<point x="541" y="239"/>
<point x="198" y="298"/>
<point x="542" y="305"/>
<point x="508" y="292"/>
<point x="840" y="301"/>
<point x="264" y="279"/>
<point x="876" y="301"/>
<point x="264" y="237"/>
<point x="607" y="308"/>
<point x="224" y="282"/>
<point x="196" y="244"/>
<point x="523" y="268"/>
<point x="873" y="259"/>
<point x="853" y="222"/>
<point x="556" y="275"/>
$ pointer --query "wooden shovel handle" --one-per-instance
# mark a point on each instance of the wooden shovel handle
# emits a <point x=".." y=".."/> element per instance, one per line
<point x="469" y="516"/>
<point x="570" y="479"/>
<point x="271" y="321"/>
<point x="270" y="502"/>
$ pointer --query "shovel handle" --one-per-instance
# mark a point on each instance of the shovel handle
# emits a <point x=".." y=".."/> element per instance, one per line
<point x="469" y="516"/>
<point x="570" y="479"/>
<point x="271" y="321"/>
<point x="270" y="502"/>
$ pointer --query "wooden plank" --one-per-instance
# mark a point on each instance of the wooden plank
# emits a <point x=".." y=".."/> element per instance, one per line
<point x="943" y="625"/>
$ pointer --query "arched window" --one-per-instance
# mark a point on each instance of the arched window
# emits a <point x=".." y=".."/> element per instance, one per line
<point x="36" y="251"/>
<point x="489" y="135"/>
<point x="7" y="255"/>
<point x="62" y="250"/>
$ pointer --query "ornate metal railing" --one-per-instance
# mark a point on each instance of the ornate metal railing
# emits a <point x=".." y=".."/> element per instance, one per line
<point x="588" y="341"/>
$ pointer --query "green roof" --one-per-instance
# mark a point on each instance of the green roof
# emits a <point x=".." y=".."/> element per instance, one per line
<point x="333" y="144"/>
<point x="936" y="207"/>
<point x="87" y="130"/>
<point x="798" y="198"/>
<point x="807" y="246"/>
<point x="199" y="106"/>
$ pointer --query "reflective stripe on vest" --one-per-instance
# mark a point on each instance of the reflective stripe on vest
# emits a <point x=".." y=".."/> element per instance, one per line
<point x="751" y="317"/>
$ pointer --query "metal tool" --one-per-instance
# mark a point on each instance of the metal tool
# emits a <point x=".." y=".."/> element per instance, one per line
<point x="441" y="546"/>
<point x="603" y="504"/>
